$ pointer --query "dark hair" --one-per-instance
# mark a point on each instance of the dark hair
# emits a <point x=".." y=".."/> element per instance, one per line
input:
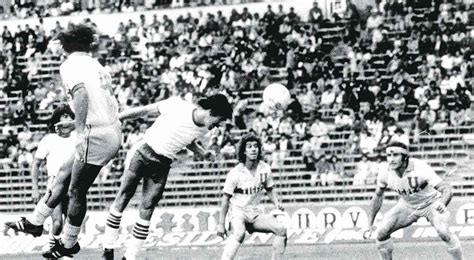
<point x="61" y="110"/>
<point x="218" y="104"/>
<point x="78" y="38"/>
<point x="245" y="139"/>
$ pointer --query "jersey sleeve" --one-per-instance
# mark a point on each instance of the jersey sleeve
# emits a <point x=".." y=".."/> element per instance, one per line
<point x="230" y="183"/>
<point x="70" y="76"/>
<point x="42" y="151"/>
<point x="429" y="173"/>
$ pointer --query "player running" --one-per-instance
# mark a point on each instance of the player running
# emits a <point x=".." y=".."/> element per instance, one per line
<point x="244" y="187"/>
<point x="97" y="142"/>
<point x="422" y="194"/>
<point x="53" y="150"/>
<point x="178" y="125"/>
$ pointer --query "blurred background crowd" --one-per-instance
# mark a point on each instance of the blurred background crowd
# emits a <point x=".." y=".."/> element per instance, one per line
<point x="353" y="75"/>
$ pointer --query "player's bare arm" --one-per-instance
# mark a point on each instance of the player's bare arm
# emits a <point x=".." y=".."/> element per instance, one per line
<point x="374" y="207"/>
<point x="375" y="204"/>
<point x="137" y="112"/>
<point x="271" y="193"/>
<point x="222" y="215"/>
<point x="81" y="104"/>
<point x="446" y="195"/>
<point x="195" y="147"/>
<point x="35" y="170"/>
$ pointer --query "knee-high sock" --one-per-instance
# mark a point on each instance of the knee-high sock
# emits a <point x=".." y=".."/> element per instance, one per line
<point x="70" y="235"/>
<point x="230" y="249"/>
<point x="112" y="226"/>
<point x="279" y="246"/>
<point x="385" y="249"/>
<point x="140" y="233"/>
<point x="454" y="248"/>
<point x="40" y="214"/>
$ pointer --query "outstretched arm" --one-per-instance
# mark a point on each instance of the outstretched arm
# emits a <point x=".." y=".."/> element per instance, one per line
<point x="137" y="112"/>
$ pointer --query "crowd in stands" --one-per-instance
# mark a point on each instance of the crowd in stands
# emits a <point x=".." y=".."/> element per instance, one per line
<point x="367" y="69"/>
<point x="53" y="8"/>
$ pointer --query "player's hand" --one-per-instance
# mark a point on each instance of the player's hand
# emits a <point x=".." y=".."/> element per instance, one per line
<point x="221" y="232"/>
<point x="280" y="207"/>
<point x="367" y="232"/>
<point x="439" y="206"/>
<point x="35" y="196"/>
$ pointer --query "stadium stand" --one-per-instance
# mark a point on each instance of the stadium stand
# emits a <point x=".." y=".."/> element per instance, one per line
<point x="360" y="73"/>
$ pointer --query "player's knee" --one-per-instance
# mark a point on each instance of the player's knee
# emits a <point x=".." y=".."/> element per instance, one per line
<point x="382" y="235"/>
<point x="57" y="224"/>
<point x="280" y="231"/>
<point x="238" y="236"/>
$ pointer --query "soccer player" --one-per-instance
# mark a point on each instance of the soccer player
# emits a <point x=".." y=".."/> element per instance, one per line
<point x="244" y="187"/>
<point x="178" y="125"/>
<point x="98" y="136"/>
<point x="422" y="194"/>
<point x="53" y="150"/>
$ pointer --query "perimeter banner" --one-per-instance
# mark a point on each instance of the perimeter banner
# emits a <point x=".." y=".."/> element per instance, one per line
<point x="307" y="224"/>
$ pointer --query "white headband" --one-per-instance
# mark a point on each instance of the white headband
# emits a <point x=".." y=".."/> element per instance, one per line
<point x="396" y="149"/>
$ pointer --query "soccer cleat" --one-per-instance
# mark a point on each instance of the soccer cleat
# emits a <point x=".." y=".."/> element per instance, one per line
<point x="25" y="226"/>
<point x="108" y="254"/>
<point x="58" y="251"/>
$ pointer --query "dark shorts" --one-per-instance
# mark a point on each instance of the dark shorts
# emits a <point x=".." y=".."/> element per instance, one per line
<point x="148" y="164"/>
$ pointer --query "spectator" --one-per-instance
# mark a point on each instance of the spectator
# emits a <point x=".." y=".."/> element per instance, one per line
<point x="368" y="143"/>
<point x="343" y="120"/>
<point x="319" y="130"/>
<point x="228" y="150"/>
<point x="362" y="171"/>
<point x="400" y="136"/>
<point x="315" y="14"/>
<point x="457" y="117"/>
<point x="259" y="124"/>
<point x="282" y="151"/>
<point x="338" y="168"/>
<point x="323" y="168"/>
<point x="286" y="126"/>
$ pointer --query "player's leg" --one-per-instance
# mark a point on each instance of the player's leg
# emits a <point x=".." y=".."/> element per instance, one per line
<point x="152" y="191"/>
<point x="82" y="177"/>
<point x="56" y="225"/>
<point x="269" y="224"/>
<point x="128" y="185"/>
<point x="235" y="239"/>
<point x="33" y="224"/>
<point x="398" y="217"/>
<point x="101" y="145"/>
<point x="440" y="223"/>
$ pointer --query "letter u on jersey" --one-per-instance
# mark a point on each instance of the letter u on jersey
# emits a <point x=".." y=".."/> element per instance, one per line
<point x="410" y="182"/>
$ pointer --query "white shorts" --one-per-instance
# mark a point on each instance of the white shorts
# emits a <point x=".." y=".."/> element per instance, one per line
<point x="250" y="218"/>
<point x="102" y="143"/>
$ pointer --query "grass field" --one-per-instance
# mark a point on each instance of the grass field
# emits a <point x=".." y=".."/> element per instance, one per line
<point x="362" y="251"/>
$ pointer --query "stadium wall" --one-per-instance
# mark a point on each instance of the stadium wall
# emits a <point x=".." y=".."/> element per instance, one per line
<point x="307" y="224"/>
<point x="108" y="23"/>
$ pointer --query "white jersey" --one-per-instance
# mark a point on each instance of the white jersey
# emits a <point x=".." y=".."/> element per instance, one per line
<point x="246" y="188"/>
<point x="416" y="186"/>
<point x="55" y="150"/>
<point x="80" y="67"/>
<point x="174" y="129"/>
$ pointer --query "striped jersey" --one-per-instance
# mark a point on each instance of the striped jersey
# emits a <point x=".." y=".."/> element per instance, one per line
<point x="247" y="188"/>
<point x="416" y="186"/>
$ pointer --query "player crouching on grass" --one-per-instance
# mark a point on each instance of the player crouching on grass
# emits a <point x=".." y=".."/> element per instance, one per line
<point x="244" y="187"/>
<point x="422" y="194"/>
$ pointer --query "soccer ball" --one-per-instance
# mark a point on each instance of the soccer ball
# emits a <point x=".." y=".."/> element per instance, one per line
<point x="276" y="97"/>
